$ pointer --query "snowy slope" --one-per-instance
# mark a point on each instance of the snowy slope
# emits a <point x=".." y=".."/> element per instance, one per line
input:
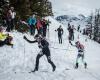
<point x="21" y="58"/>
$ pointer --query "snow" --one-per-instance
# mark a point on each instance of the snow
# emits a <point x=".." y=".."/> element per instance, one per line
<point x="16" y="62"/>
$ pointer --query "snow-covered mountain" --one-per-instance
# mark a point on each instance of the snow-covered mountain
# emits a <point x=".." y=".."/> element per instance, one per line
<point x="66" y="18"/>
<point x="21" y="58"/>
<point x="71" y="18"/>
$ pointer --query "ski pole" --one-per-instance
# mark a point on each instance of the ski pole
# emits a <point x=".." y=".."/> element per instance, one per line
<point x="24" y="55"/>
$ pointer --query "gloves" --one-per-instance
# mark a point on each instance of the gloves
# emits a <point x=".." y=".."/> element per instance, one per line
<point x="25" y="37"/>
<point x="40" y="46"/>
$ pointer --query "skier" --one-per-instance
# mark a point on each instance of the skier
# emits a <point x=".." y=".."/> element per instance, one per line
<point x="60" y="33"/>
<point x="69" y="27"/>
<point x="69" y="30"/>
<point x="78" y="28"/>
<point x="84" y="31"/>
<point x="72" y="32"/>
<point x="44" y="45"/>
<point x="80" y="48"/>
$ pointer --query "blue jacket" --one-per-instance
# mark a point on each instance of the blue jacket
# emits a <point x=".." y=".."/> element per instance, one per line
<point x="31" y="21"/>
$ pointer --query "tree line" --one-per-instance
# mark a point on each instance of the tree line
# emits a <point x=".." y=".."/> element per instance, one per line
<point x="94" y="22"/>
<point x="25" y="8"/>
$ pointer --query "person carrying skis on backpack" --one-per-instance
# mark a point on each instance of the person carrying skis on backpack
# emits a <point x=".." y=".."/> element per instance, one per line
<point x="44" y="46"/>
<point x="80" y="48"/>
<point x="60" y="33"/>
<point x="70" y="30"/>
<point x="72" y="33"/>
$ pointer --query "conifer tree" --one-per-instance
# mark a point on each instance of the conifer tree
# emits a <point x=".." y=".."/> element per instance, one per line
<point x="25" y="8"/>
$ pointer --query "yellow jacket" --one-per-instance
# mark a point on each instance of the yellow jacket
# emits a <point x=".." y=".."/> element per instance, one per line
<point x="3" y="36"/>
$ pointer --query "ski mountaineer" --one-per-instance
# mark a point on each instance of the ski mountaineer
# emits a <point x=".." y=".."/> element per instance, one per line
<point x="60" y="33"/>
<point x="44" y="45"/>
<point x="70" y="33"/>
<point x="78" y="28"/>
<point x="80" y="48"/>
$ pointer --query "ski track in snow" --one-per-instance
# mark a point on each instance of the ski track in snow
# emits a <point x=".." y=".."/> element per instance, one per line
<point x="16" y="62"/>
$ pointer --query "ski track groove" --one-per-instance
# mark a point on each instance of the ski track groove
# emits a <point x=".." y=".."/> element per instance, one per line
<point x="41" y="76"/>
<point x="64" y="71"/>
<point x="93" y="75"/>
<point x="35" y="74"/>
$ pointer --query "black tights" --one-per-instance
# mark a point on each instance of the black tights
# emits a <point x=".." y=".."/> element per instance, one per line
<point x="48" y="58"/>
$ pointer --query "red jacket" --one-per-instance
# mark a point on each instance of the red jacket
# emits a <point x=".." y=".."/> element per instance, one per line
<point x="39" y="24"/>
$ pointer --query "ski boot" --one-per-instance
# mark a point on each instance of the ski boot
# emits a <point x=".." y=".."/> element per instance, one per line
<point x="54" y="68"/>
<point x="85" y="65"/>
<point x="34" y="70"/>
<point x="76" y="66"/>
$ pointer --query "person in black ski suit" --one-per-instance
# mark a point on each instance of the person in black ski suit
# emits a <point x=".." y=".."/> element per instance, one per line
<point x="60" y="33"/>
<point x="44" y="45"/>
<point x="78" y="28"/>
<point x="72" y="33"/>
<point x="69" y="30"/>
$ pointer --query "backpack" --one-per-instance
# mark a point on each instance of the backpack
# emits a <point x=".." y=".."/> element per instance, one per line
<point x="80" y="48"/>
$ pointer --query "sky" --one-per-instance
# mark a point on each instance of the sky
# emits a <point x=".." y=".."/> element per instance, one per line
<point x="75" y="6"/>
